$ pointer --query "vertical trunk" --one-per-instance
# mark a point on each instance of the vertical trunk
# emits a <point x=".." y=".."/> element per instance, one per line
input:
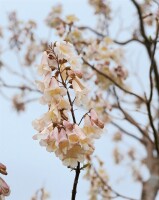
<point x="150" y="188"/>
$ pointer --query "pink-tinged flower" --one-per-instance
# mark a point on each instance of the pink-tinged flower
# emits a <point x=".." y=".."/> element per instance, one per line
<point x="54" y="91"/>
<point x="75" y="61"/>
<point x="82" y="137"/>
<point x="44" y="68"/>
<point x="90" y="129"/>
<point x="73" y="156"/>
<point x="71" y="134"/>
<point x="39" y="124"/>
<point x="94" y="118"/>
<point x="40" y="85"/>
<point x="47" y="80"/>
<point x="81" y="97"/>
<point x="74" y="73"/>
<point x="64" y="49"/>
<point x="77" y="85"/>
<point x="43" y="135"/>
<point x="51" y="143"/>
<point x="56" y="113"/>
<point x="68" y="125"/>
<point x="4" y="188"/>
<point x="70" y="142"/>
<point x="63" y="104"/>
<point x="78" y="73"/>
<point x="63" y="142"/>
<point x="74" y="132"/>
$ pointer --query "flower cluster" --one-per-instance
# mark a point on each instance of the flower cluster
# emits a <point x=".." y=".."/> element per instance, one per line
<point x="54" y="16"/>
<point x="62" y="89"/>
<point x="4" y="188"/>
<point x="106" y="58"/>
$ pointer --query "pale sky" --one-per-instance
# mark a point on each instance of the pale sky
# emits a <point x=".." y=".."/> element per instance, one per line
<point x="29" y="165"/>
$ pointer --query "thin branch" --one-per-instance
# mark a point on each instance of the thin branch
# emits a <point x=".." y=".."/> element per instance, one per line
<point x="92" y="30"/>
<point x="127" y="133"/>
<point x="148" y="104"/>
<point x="147" y="42"/>
<point x="152" y="63"/>
<point x="23" y="87"/>
<point x="112" y="80"/>
<point x="109" y="187"/>
<point x="129" y="118"/>
<point x="115" y="41"/>
<point x="74" y="190"/>
<point x="153" y="127"/>
<point x="83" y="117"/>
<point x="128" y="41"/>
<point x="142" y="29"/>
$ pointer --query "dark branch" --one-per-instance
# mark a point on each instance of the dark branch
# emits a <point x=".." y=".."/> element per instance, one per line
<point x="74" y="190"/>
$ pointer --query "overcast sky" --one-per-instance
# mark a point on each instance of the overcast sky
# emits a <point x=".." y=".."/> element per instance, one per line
<point x="29" y="165"/>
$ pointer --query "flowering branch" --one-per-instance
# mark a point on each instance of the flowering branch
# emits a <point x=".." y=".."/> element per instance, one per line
<point x="70" y="142"/>
<point x="77" y="170"/>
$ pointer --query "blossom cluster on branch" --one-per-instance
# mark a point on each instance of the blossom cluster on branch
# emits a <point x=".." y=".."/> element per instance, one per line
<point x="62" y="90"/>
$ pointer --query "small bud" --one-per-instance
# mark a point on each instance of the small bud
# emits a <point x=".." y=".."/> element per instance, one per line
<point x="67" y="68"/>
<point x="78" y="74"/>
<point x="57" y="73"/>
<point x="3" y="169"/>
<point x="52" y="67"/>
<point x="51" y="57"/>
<point x="64" y="116"/>
<point x="70" y="81"/>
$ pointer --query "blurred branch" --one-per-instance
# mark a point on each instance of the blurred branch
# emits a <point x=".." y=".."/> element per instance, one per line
<point x="115" y="41"/>
<point x="77" y="173"/>
<point x="92" y="30"/>
<point x="127" y="133"/>
<point x="147" y="42"/>
<point x="23" y="87"/>
<point x="148" y="103"/>
<point x="113" y="81"/>
<point x="22" y="76"/>
<point x="109" y="187"/>
<point x="128" y="41"/>
<point x="129" y="118"/>
<point x="142" y="29"/>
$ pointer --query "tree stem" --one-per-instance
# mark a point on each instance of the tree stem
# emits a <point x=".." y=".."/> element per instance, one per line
<point x="74" y="190"/>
